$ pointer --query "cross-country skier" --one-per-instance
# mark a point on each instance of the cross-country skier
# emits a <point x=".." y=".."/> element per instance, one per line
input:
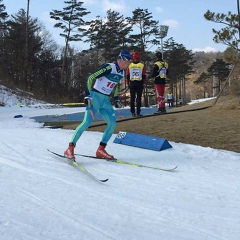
<point x="100" y="85"/>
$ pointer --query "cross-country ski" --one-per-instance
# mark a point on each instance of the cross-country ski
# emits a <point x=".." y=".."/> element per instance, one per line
<point x="79" y="166"/>
<point x="128" y="163"/>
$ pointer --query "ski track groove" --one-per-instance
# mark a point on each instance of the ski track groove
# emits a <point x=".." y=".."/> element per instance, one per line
<point x="26" y="159"/>
<point x="208" y="234"/>
<point x="45" y="203"/>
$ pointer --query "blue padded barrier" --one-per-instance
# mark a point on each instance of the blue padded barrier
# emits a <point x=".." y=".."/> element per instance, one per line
<point x="142" y="141"/>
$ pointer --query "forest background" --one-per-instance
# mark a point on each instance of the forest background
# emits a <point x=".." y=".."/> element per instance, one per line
<point x="31" y="60"/>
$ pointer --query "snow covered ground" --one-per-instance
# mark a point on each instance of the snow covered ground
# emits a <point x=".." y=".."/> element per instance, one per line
<point x="42" y="197"/>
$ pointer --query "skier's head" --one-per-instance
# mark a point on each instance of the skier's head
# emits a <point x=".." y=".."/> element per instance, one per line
<point x="158" y="55"/>
<point x="136" y="56"/>
<point x="124" y="59"/>
<point x="124" y="55"/>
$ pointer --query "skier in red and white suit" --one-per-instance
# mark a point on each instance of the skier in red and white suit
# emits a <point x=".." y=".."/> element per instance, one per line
<point x="159" y="73"/>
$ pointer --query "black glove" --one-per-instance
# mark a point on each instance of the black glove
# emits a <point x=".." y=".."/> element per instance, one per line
<point x="88" y="101"/>
<point x="118" y="104"/>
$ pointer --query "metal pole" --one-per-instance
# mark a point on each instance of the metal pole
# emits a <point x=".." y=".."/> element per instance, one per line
<point x="162" y="47"/>
<point x="238" y="18"/>
<point x="163" y="34"/>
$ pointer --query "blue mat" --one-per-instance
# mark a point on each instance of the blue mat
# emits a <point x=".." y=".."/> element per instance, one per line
<point x="78" y="117"/>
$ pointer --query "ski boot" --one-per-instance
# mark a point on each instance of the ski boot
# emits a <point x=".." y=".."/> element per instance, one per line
<point x="69" y="153"/>
<point x="101" y="153"/>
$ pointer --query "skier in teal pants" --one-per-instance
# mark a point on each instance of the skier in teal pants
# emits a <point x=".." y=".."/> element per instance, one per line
<point x="98" y="99"/>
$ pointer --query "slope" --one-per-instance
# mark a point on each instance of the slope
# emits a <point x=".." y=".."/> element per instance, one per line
<point x="42" y="197"/>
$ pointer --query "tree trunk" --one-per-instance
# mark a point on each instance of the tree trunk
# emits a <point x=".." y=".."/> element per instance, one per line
<point x="26" y="48"/>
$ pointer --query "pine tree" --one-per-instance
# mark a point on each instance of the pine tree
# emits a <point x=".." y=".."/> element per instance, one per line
<point x="16" y="48"/>
<point x="109" y="35"/>
<point x="230" y="34"/>
<point x="202" y="79"/>
<point x="181" y="64"/>
<point x="219" y="69"/>
<point x="69" y="19"/>
<point x="146" y="30"/>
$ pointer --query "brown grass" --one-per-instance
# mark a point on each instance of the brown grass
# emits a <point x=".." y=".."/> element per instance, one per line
<point x="216" y="127"/>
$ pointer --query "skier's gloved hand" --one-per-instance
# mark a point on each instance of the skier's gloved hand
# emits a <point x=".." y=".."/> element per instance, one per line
<point x="118" y="104"/>
<point x="88" y="101"/>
